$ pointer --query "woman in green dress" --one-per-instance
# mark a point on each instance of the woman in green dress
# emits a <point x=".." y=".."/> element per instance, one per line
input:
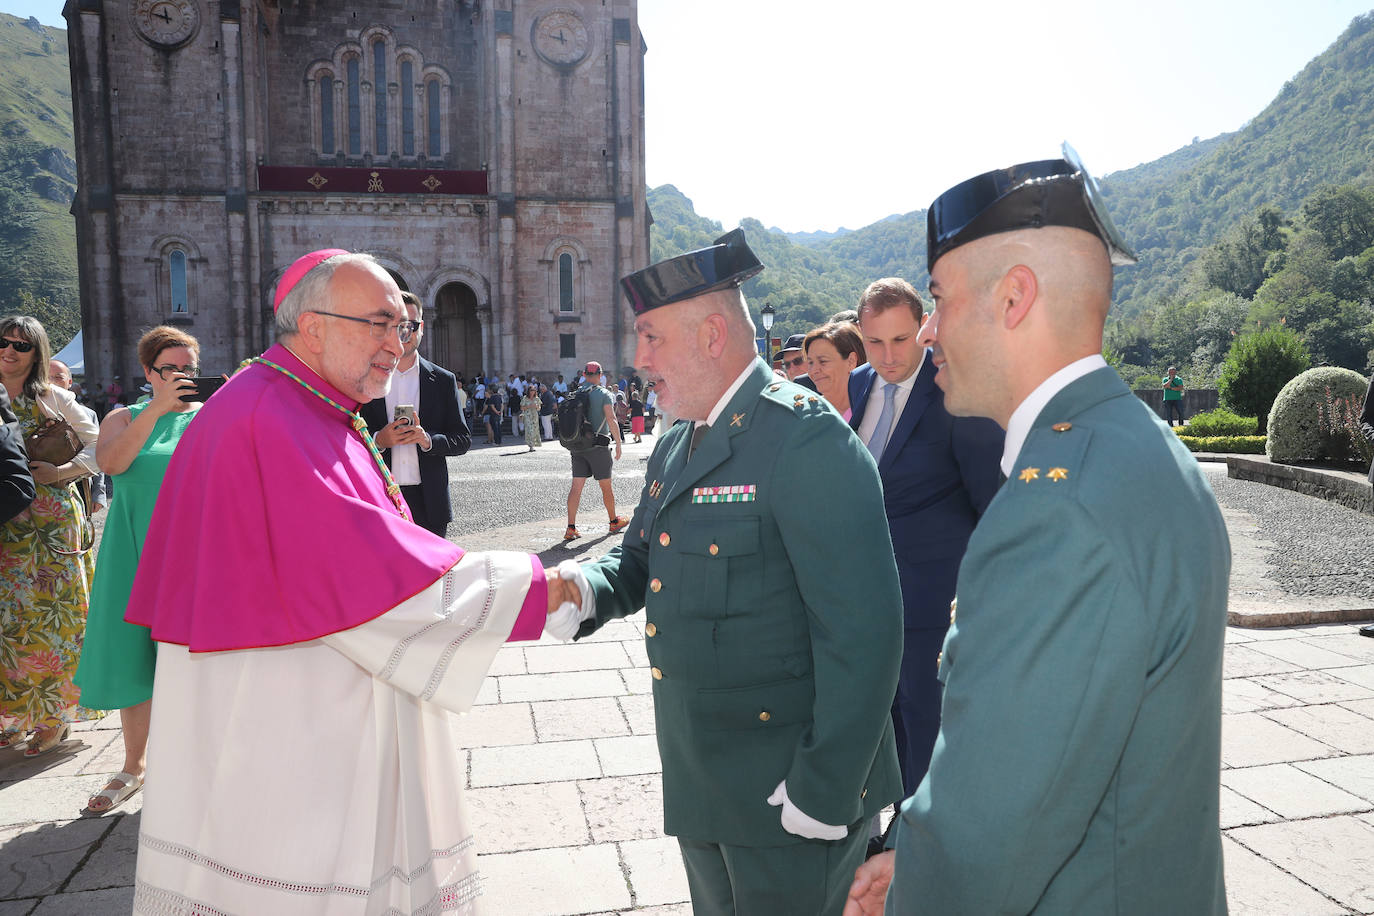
<point x="136" y="443"/>
<point x="44" y="573"/>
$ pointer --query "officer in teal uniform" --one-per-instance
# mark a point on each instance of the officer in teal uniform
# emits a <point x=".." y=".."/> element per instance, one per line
<point x="773" y="615"/>
<point x="1077" y="765"/>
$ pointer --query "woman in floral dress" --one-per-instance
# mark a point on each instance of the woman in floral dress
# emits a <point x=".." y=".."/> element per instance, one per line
<point x="529" y="415"/>
<point x="44" y="575"/>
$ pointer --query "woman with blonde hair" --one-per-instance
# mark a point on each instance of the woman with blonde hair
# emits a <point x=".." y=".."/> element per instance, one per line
<point x="136" y="443"/>
<point x="44" y="573"/>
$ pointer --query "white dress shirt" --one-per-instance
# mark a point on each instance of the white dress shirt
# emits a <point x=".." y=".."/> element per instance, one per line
<point x="899" y="399"/>
<point x="405" y="389"/>
<point x="1018" y="427"/>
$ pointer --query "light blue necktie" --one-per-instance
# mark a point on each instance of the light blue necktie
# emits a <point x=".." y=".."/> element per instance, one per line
<point x="884" y="427"/>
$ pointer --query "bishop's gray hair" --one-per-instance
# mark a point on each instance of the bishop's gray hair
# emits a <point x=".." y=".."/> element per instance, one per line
<point x="311" y="292"/>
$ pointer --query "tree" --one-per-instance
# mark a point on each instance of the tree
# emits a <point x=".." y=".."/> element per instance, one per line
<point x="1257" y="368"/>
<point x="1343" y="215"/>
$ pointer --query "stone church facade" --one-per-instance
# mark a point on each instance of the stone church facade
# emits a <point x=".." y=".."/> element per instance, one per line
<point x="490" y="153"/>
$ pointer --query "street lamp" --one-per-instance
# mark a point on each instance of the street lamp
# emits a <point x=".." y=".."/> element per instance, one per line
<point x="767" y="316"/>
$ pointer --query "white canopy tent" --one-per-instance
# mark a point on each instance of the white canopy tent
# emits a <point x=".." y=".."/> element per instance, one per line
<point x="74" y="355"/>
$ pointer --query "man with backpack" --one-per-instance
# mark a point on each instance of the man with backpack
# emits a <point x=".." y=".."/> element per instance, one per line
<point x="586" y="425"/>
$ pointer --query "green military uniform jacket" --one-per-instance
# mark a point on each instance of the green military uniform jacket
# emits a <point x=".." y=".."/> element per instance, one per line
<point x="1078" y="760"/>
<point x="773" y="617"/>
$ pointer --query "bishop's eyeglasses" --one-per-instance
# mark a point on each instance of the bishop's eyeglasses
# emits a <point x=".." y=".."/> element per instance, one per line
<point x="380" y="329"/>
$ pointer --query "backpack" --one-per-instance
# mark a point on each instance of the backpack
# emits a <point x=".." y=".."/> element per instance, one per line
<point x="575" y="430"/>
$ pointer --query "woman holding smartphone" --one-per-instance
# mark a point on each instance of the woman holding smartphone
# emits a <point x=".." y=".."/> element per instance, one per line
<point x="136" y="443"/>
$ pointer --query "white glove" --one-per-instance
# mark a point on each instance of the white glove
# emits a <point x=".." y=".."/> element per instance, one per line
<point x="798" y="823"/>
<point x="565" y="622"/>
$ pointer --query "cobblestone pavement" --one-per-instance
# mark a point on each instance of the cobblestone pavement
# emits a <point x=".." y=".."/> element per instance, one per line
<point x="561" y="764"/>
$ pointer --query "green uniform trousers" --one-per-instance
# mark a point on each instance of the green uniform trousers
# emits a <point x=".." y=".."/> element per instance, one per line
<point x="807" y="879"/>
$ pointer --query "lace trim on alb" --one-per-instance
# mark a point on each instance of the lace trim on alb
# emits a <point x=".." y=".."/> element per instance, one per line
<point x="158" y="901"/>
<point x="466" y="887"/>
<point x="445" y="612"/>
<point x="441" y="668"/>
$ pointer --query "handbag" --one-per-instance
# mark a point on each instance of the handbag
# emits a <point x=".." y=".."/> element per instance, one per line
<point x="54" y="442"/>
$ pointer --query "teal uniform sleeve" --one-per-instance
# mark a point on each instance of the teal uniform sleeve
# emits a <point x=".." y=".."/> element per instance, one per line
<point x="834" y="530"/>
<point x="1043" y="677"/>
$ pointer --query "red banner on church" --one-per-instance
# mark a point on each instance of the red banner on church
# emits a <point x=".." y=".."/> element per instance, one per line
<point x="292" y="178"/>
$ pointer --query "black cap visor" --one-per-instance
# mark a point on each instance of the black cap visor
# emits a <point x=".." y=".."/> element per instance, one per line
<point x="1029" y="195"/>
<point x="727" y="263"/>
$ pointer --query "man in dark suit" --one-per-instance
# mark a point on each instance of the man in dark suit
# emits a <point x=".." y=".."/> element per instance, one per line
<point x="16" y="482"/>
<point x="418" y="452"/>
<point x="939" y="473"/>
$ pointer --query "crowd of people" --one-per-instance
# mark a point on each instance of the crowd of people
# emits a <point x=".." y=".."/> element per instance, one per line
<point x="891" y="569"/>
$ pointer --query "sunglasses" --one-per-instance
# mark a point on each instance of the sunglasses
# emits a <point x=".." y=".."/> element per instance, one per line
<point x="22" y="346"/>
<point x="794" y="362"/>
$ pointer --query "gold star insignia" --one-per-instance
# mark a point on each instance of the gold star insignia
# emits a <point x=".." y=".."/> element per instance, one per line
<point x="1058" y="474"/>
<point x="735" y="418"/>
<point x="1029" y="474"/>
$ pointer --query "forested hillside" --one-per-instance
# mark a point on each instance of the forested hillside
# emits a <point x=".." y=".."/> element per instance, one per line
<point x="37" y="177"/>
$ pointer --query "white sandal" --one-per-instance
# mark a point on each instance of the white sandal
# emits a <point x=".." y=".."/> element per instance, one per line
<point x="130" y="784"/>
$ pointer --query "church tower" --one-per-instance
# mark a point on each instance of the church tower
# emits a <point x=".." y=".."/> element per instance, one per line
<point x="490" y="153"/>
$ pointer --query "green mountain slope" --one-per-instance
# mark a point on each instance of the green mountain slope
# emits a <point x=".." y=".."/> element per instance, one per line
<point x="37" y="177"/>
<point x="1318" y="131"/>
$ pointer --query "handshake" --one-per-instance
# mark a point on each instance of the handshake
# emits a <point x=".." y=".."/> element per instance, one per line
<point x="570" y="599"/>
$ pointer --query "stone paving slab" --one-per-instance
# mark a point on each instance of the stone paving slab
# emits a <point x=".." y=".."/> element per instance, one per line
<point x="1292" y="793"/>
<point x="1257" y="887"/>
<point x="1334" y="855"/>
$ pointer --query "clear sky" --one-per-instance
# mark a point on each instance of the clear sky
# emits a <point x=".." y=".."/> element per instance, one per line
<point x="814" y="115"/>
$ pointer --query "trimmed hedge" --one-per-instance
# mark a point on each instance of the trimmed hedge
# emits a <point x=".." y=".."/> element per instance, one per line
<point x="1221" y="422"/>
<point x="1304" y="424"/>
<point x="1241" y="445"/>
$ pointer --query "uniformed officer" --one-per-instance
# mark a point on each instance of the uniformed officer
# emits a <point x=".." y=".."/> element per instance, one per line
<point x="773" y="615"/>
<point x="1077" y="765"/>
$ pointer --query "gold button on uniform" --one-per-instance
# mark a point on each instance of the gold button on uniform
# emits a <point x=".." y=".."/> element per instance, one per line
<point x="714" y="549"/>
<point x="655" y="585"/>
<point x="664" y="540"/>
<point x="774" y="387"/>
<point x="765" y="716"/>
<point x="658" y="675"/>
<point x="1062" y="427"/>
<point x="650" y="629"/>
<point x="864" y="793"/>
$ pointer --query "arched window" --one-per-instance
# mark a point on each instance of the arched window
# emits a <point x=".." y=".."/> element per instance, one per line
<point x="327" y="115"/>
<point x="565" y="283"/>
<point x="379" y="93"/>
<point x="355" y="110"/>
<point x="407" y="108"/>
<point x="176" y="275"/>
<point x="432" y="114"/>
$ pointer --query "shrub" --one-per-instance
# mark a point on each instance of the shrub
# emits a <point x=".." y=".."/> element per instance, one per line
<point x="1257" y="368"/>
<point x="1239" y="445"/>
<point x="1221" y="422"/>
<point x="1301" y="426"/>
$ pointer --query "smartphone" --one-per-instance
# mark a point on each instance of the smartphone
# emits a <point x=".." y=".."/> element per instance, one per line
<point x="406" y="412"/>
<point x="206" y="385"/>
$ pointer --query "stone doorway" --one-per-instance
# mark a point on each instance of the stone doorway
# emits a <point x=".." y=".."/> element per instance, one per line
<point x="455" y="340"/>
